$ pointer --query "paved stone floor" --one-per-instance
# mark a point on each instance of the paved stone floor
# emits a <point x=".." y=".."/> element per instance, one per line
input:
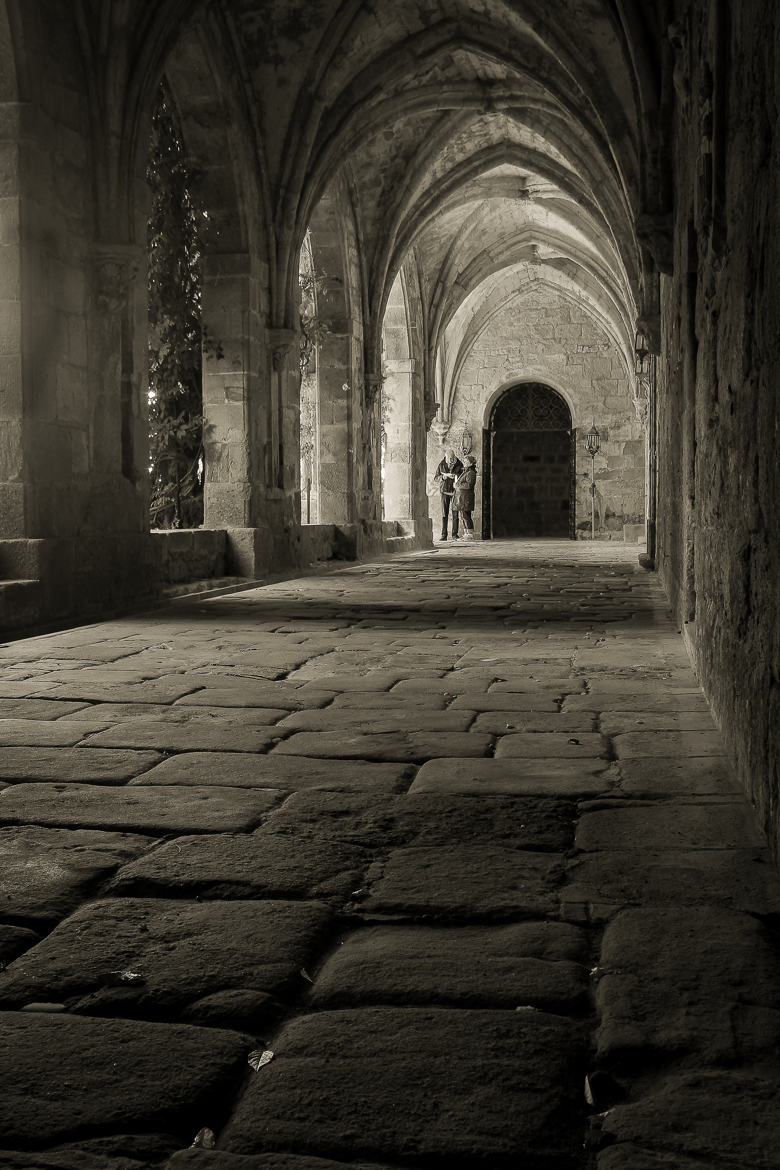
<point x="430" y="863"/>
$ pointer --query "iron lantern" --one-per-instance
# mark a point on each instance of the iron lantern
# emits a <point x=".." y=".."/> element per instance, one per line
<point x="592" y="442"/>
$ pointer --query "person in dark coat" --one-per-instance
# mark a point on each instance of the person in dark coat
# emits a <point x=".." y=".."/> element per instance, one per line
<point x="463" y="497"/>
<point x="446" y="474"/>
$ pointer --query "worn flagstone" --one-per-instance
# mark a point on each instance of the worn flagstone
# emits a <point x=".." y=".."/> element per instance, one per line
<point x="554" y="777"/>
<point x="464" y="1085"/>
<point x="673" y="824"/>
<point x="400" y="745"/>
<point x="78" y="764"/>
<point x="190" y="735"/>
<point x="143" y="808"/>
<point x="540" y="964"/>
<point x="153" y="956"/>
<point x="46" y="872"/>
<point x="68" y="1075"/>
<point x="290" y="773"/>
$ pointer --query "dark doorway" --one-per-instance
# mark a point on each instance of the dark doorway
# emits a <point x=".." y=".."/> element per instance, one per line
<point x="528" y="463"/>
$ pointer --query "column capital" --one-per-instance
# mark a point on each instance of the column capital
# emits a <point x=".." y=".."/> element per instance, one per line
<point x="281" y="342"/>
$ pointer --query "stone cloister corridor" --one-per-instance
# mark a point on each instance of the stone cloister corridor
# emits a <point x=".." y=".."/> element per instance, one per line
<point x="446" y="834"/>
<point x="480" y="839"/>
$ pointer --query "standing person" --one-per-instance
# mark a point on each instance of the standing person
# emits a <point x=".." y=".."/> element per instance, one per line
<point x="463" y="498"/>
<point x="446" y="474"/>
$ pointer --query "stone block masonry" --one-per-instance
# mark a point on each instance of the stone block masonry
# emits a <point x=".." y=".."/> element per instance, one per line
<point x="449" y="838"/>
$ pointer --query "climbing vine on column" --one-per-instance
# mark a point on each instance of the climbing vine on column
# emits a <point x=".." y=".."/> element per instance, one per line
<point x="175" y="334"/>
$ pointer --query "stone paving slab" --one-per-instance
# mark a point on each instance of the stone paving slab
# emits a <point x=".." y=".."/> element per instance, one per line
<point x="14" y="940"/>
<point x="668" y="775"/>
<point x="66" y="1076"/>
<point x="154" y="956"/>
<point x="519" y="701"/>
<point x="73" y="1157"/>
<point x="583" y="745"/>
<point x="45" y="873"/>
<point x="389" y="701"/>
<point x="107" y="689"/>
<point x="449" y="685"/>
<point x="620" y="723"/>
<point x="333" y="719"/>
<point x="536" y="777"/>
<point x="735" y="879"/>
<point x="504" y="967"/>
<point x="725" y="972"/>
<point x="464" y="1084"/>
<point x="686" y="744"/>
<point x="43" y="733"/>
<point x="371" y="680"/>
<point x="427" y="819"/>
<point x="246" y="694"/>
<point x="501" y="721"/>
<point x="727" y="1120"/>
<point x="38" y="708"/>
<point x="531" y="686"/>
<point x="288" y="773"/>
<point x="192" y="735"/>
<point x="680" y="701"/>
<point x="402" y="746"/>
<point x="257" y="866"/>
<point x="461" y="882"/>
<point x="147" y="809"/>
<point x="78" y="764"/>
<point x="672" y="825"/>
<point x="219" y="1160"/>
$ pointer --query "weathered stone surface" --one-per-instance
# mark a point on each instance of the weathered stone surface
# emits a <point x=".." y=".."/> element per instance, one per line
<point x="736" y="879"/>
<point x="672" y="825"/>
<point x="220" y="1160"/>
<point x="110" y="1075"/>
<point x="624" y="700"/>
<point x="554" y="777"/>
<point x="500" y="722"/>
<point x="148" y="809"/>
<point x="692" y="776"/>
<point x="46" y="872"/>
<point x="40" y="732"/>
<point x="194" y="735"/>
<point x="724" y="971"/>
<point x="532" y="686"/>
<point x="250" y="693"/>
<point x="712" y="1118"/>
<point x="334" y="719"/>
<point x="623" y="722"/>
<point x="509" y="966"/>
<point x="261" y="866"/>
<point x="288" y="773"/>
<point x="549" y="745"/>
<point x="39" y="709"/>
<point x="14" y="940"/>
<point x="73" y="1158"/>
<point x="462" y="882"/>
<point x="104" y="686"/>
<point x="476" y="1084"/>
<point x="403" y="746"/>
<point x="390" y="701"/>
<point x="451" y="684"/>
<point x="360" y="680"/>
<point x="668" y="743"/>
<point x="427" y="819"/>
<point x="81" y="765"/>
<point x="520" y="701"/>
<point x="154" y="956"/>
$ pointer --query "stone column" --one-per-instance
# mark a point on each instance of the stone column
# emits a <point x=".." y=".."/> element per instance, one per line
<point x="13" y="504"/>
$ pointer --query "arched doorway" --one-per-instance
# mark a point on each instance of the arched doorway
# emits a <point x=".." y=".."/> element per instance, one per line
<point x="528" y="463"/>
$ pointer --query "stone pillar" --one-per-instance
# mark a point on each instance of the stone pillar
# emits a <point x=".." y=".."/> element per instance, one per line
<point x="337" y="430"/>
<point x="13" y="504"/>
<point x="397" y="470"/>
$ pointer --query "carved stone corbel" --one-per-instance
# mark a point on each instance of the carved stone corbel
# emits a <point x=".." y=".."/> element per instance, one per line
<point x="115" y="268"/>
<point x="373" y="386"/>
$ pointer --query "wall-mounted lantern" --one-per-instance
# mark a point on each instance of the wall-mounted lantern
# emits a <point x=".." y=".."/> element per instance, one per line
<point x="466" y="442"/>
<point x="592" y="445"/>
<point x="642" y="356"/>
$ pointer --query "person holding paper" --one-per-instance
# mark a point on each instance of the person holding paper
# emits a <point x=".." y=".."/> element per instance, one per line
<point x="446" y="474"/>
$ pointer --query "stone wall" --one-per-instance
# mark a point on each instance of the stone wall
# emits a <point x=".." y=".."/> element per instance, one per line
<point x="719" y="409"/>
<point x="545" y="337"/>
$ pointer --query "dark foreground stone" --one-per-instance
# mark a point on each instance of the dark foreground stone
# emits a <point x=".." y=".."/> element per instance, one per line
<point x="46" y="872"/>
<point x="715" y="1119"/>
<point x="66" y="1076"/>
<point x="219" y="1160"/>
<point x="510" y="966"/>
<point x="502" y="1088"/>
<point x="153" y="956"/>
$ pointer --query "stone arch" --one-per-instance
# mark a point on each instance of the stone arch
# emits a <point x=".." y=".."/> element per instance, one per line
<point x="528" y="460"/>
<point x="238" y="421"/>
